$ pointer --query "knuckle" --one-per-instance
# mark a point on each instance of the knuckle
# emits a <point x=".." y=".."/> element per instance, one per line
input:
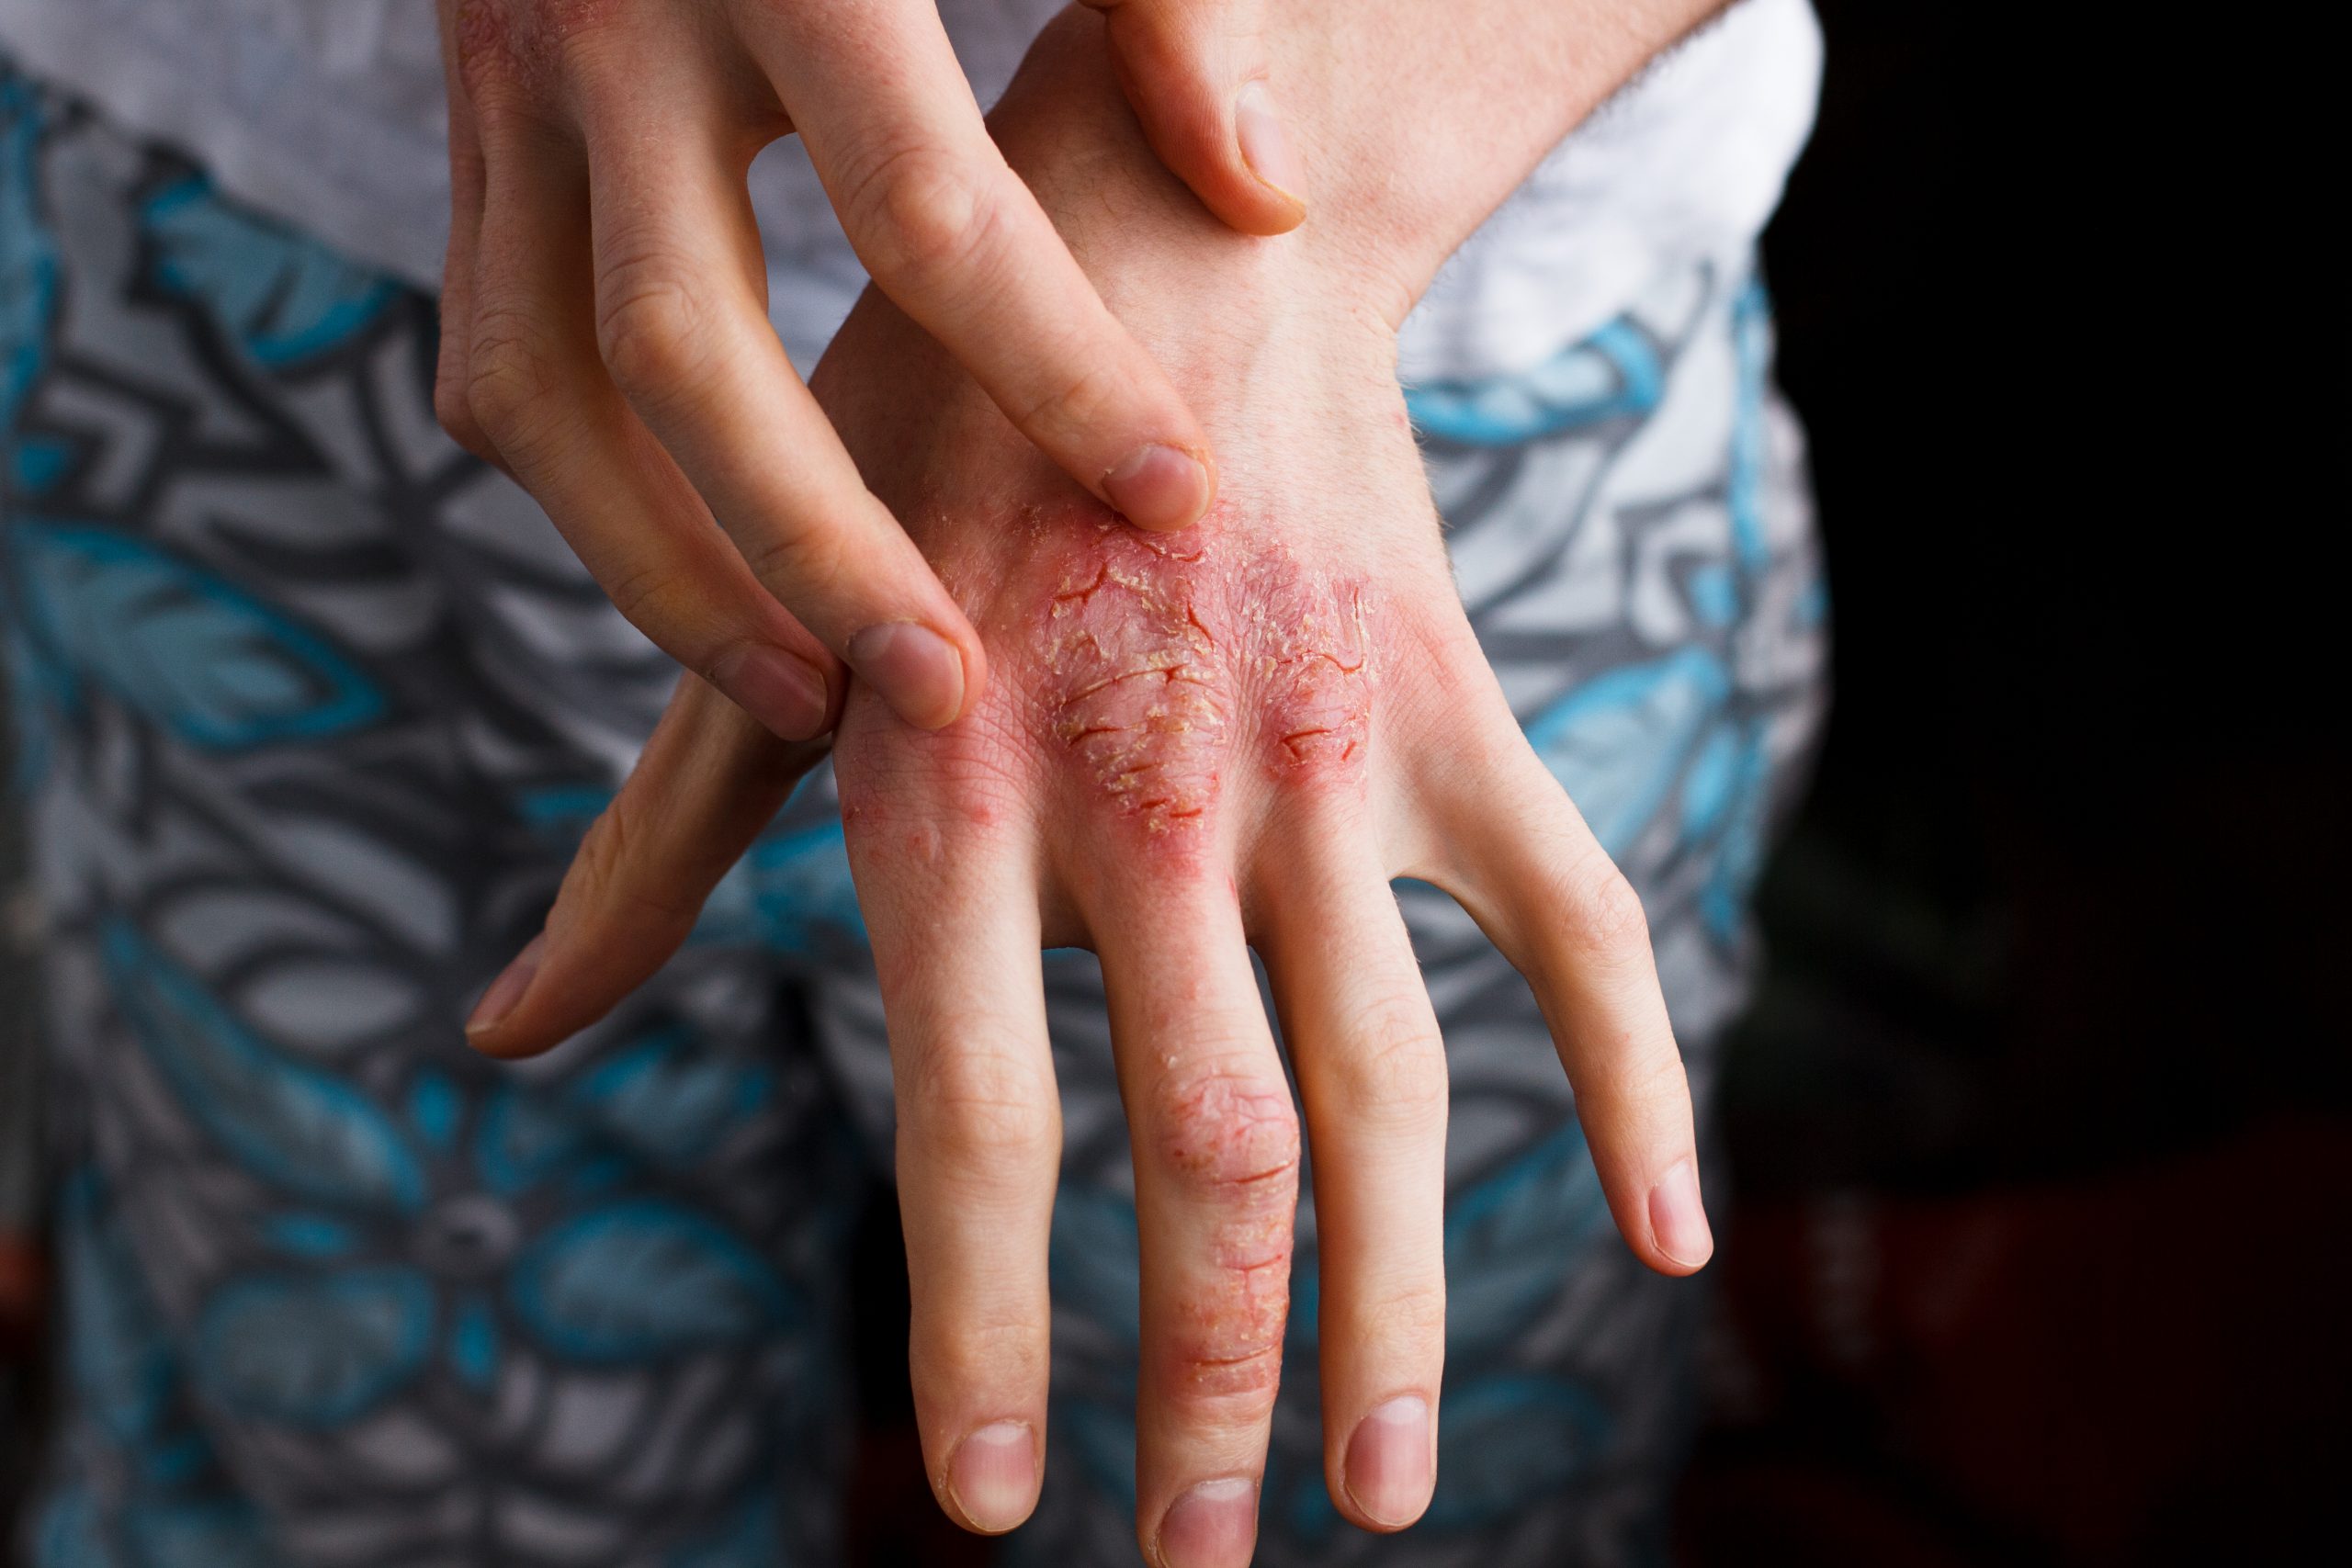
<point x="483" y="45"/>
<point x="1660" y="1085"/>
<point x="1223" y="1361"/>
<point x="919" y="214"/>
<point x="603" y="874"/>
<point x="801" y="557"/>
<point x="653" y="331"/>
<point x="979" y="1102"/>
<point x="643" y="596"/>
<point x="947" y="1361"/>
<point x="579" y="41"/>
<point x="1209" y="1385"/>
<point x="511" y="386"/>
<point x="1395" y="1065"/>
<point x="1083" y="395"/>
<point x="453" y="409"/>
<point x="1229" y="1131"/>
<point x="1412" y="1317"/>
<point x="1605" y="918"/>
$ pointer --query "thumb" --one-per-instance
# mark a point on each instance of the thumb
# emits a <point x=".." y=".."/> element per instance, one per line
<point x="710" y="781"/>
<point x="1195" y="73"/>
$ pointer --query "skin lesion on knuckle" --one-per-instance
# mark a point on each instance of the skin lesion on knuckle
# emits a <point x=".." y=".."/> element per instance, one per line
<point x="1166" y="660"/>
<point x="484" y="41"/>
<point x="517" y="50"/>
<point x="1224" y="1343"/>
<point x="1317" y="674"/>
<point x="1139" y="692"/>
<point x="910" y="793"/>
<point x="1233" y="1136"/>
<point x="1224" y="1373"/>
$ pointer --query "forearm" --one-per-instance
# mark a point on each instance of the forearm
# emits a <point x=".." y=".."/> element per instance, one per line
<point x="1413" y="120"/>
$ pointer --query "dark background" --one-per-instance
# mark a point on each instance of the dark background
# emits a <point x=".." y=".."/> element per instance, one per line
<point x="2040" y="1135"/>
<point x="2039" y="1125"/>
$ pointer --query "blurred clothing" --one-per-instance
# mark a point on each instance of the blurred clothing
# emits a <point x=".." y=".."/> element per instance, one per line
<point x="331" y="117"/>
<point x="317" y="707"/>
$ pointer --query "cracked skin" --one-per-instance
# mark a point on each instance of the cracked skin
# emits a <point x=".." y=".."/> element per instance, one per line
<point x="1163" y="660"/>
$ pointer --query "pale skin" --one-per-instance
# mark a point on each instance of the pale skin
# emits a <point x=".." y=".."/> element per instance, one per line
<point x="1191" y="744"/>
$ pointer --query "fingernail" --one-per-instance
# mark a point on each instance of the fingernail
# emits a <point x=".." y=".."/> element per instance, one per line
<point x="1265" y="145"/>
<point x="508" y="988"/>
<point x="994" y="1476"/>
<point x="1678" y="1220"/>
<point x="1213" y="1526"/>
<point x="1389" y="1462"/>
<point x="916" y="670"/>
<point x="1159" y="487"/>
<point x="784" y="692"/>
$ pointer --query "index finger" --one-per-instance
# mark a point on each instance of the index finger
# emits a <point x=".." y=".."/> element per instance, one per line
<point x="954" y="237"/>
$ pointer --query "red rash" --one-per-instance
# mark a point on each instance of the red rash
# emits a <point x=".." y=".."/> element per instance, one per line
<point x="1235" y="1144"/>
<point x="1163" y="660"/>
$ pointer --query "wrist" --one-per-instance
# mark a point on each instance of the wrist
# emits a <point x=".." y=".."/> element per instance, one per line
<point x="1176" y="275"/>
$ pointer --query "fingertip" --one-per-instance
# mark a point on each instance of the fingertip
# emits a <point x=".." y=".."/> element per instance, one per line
<point x="788" y="695"/>
<point x="1160" y="488"/>
<point x="1679" y="1229"/>
<point x="918" y="672"/>
<point x="502" y="1000"/>
<point x="1268" y="153"/>
<point x="992" y="1477"/>
<point x="1390" y="1466"/>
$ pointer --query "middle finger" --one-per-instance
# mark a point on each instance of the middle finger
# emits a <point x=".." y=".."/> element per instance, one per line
<point x="1216" y="1150"/>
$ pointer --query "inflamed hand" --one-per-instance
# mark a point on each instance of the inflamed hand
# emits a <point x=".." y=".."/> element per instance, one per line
<point x="1191" y="745"/>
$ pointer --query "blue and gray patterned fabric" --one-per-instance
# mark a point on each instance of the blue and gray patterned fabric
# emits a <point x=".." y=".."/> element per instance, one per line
<point x="312" y="709"/>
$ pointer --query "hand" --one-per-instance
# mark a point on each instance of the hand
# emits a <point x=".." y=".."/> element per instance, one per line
<point x="1235" y="736"/>
<point x="605" y="327"/>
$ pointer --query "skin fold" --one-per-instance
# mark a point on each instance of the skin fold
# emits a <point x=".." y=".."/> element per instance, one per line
<point x="1189" y="746"/>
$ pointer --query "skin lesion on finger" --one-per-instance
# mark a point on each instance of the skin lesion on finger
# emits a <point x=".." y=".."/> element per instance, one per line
<point x="1230" y="1333"/>
<point x="1139" y="693"/>
<point x="527" y="41"/>
<point x="1232" y="1145"/>
<point x="1164" y="666"/>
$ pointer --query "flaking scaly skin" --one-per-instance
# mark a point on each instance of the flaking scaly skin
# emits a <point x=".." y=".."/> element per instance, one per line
<point x="1161" y="664"/>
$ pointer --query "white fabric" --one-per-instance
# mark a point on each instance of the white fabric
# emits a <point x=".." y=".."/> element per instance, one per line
<point x="328" y="113"/>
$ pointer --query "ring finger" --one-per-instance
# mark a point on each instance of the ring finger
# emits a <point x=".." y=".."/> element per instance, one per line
<point x="1364" y="1040"/>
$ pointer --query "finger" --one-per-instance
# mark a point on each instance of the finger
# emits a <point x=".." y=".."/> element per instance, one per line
<point x="1196" y="73"/>
<point x="956" y="946"/>
<point x="951" y="234"/>
<point x="467" y="181"/>
<point x="541" y="396"/>
<point x="710" y="779"/>
<point x="1528" y="871"/>
<point x="1216" y="1150"/>
<point x="1363" y="1040"/>
<point x="683" y="327"/>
